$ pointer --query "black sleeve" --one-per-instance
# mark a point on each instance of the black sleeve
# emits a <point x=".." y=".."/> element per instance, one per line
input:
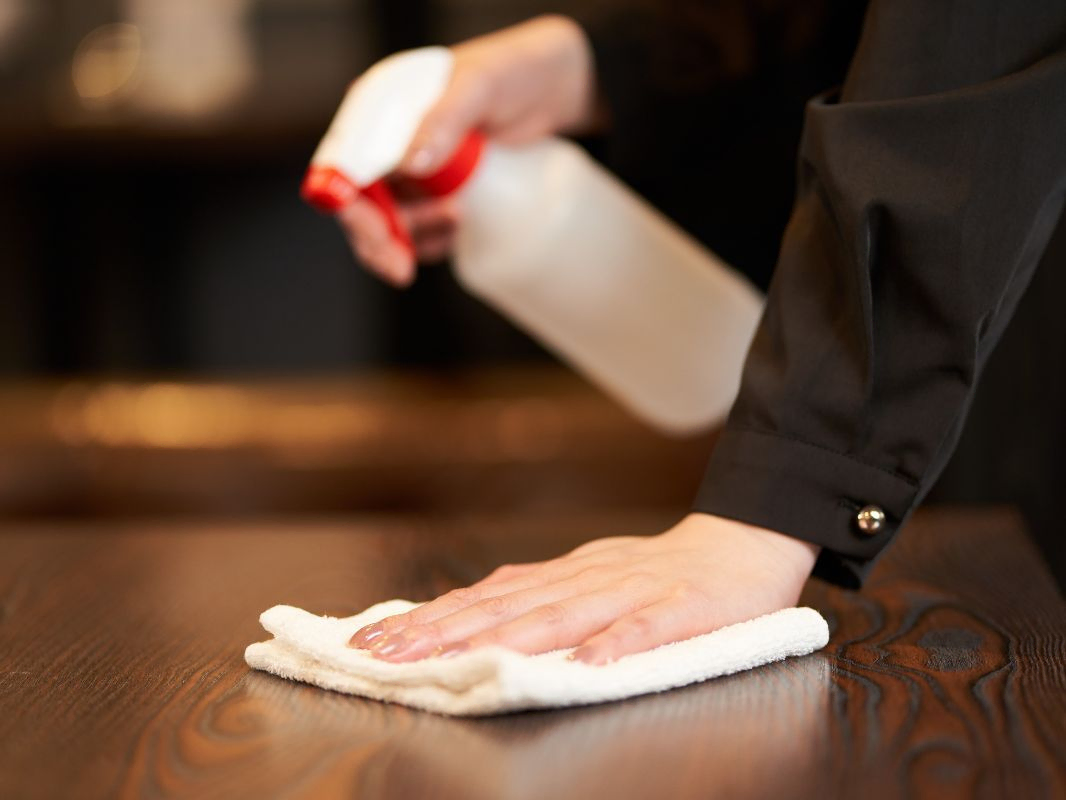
<point x="928" y="189"/>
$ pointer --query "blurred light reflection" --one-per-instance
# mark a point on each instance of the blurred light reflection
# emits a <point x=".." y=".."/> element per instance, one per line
<point x="14" y="19"/>
<point x="302" y="430"/>
<point x="198" y="57"/>
<point x="177" y="416"/>
<point x="105" y="64"/>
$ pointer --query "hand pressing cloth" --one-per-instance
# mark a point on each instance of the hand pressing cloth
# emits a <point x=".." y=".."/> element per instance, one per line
<point x="494" y="680"/>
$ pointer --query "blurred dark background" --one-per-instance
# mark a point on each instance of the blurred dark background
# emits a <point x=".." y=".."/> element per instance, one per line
<point x="154" y="256"/>
<point x="150" y="154"/>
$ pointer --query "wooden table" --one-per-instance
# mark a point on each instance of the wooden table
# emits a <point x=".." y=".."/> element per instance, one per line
<point x="121" y="673"/>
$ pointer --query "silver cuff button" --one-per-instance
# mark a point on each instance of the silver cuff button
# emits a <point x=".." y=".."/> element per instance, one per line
<point x="870" y="520"/>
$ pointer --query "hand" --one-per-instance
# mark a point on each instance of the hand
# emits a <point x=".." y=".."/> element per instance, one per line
<point x="610" y="597"/>
<point x="516" y="85"/>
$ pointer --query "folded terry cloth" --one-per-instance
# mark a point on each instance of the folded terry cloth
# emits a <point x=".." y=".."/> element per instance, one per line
<point x="494" y="680"/>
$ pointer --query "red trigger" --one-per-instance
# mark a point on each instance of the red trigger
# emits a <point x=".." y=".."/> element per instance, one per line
<point x="458" y="170"/>
<point x="329" y="190"/>
<point x="381" y="195"/>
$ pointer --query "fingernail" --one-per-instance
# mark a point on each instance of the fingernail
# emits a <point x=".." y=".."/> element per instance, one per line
<point x="366" y="634"/>
<point x="390" y="645"/>
<point x="450" y="650"/>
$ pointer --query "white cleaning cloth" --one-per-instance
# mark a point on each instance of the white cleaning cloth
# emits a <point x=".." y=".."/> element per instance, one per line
<point x="493" y="680"/>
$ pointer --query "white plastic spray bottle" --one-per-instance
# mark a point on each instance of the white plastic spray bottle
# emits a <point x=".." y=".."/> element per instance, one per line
<point x="559" y="245"/>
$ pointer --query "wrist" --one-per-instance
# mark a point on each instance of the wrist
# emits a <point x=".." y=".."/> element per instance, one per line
<point x="572" y="65"/>
<point x="795" y="557"/>
<point x="537" y="77"/>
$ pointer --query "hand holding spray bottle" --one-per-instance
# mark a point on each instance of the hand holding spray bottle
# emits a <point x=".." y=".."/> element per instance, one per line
<point x="559" y="245"/>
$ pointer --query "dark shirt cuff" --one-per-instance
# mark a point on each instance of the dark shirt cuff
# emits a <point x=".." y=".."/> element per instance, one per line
<point x="807" y="492"/>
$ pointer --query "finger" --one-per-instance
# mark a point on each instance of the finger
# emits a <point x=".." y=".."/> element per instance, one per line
<point x="554" y="571"/>
<point x="395" y="265"/>
<point x="459" y="111"/>
<point x="457" y="600"/>
<point x="660" y="623"/>
<point x="448" y="603"/>
<point x="419" y="641"/>
<point x="432" y="222"/>
<point x="368" y="234"/>
<point x="484" y="603"/>
<point x="430" y="213"/>
<point x="432" y="249"/>
<point x="363" y="220"/>
<point x="564" y="623"/>
<point x="551" y="572"/>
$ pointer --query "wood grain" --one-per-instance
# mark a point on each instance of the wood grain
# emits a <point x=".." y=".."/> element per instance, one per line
<point x="121" y="673"/>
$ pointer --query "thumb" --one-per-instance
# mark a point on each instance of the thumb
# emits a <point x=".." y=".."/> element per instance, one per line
<point x="461" y="109"/>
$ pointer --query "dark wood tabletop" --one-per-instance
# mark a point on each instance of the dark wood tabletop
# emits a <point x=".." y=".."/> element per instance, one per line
<point x="121" y="672"/>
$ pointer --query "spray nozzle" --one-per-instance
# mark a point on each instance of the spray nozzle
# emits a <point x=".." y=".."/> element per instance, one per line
<point x="329" y="190"/>
<point x="372" y="130"/>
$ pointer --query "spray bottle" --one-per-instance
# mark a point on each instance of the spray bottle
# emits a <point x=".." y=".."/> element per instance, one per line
<point x="559" y="245"/>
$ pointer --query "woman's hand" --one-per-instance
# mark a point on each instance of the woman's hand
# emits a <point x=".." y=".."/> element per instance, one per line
<point x="611" y="597"/>
<point x="516" y="85"/>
